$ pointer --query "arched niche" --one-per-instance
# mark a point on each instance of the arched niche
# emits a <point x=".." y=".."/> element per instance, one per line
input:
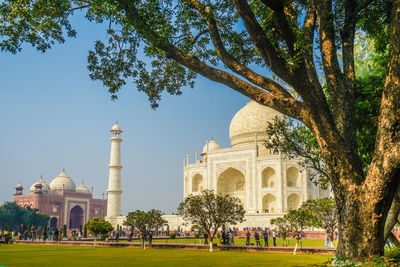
<point x="269" y="203"/>
<point x="76" y="217"/>
<point x="292" y="177"/>
<point x="53" y="223"/>
<point x="293" y="201"/>
<point x="268" y="177"/>
<point x="197" y="183"/>
<point x="232" y="182"/>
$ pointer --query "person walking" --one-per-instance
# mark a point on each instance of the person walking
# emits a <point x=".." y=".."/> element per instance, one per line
<point x="205" y="236"/>
<point x="274" y="237"/>
<point x="55" y="235"/>
<point x="265" y="235"/>
<point x="248" y="238"/>
<point x="59" y="235"/>
<point x="257" y="237"/>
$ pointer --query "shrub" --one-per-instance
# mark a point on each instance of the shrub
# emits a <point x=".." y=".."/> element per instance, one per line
<point x="391" y="258"/>
<point x="196" y="235"/>
<point x="172" y="236"/>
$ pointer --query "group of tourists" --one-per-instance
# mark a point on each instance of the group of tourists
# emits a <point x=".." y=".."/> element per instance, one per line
<point x="38" y="234"/>
<point x="227" y="238"/>
<point x="265" y="235"/>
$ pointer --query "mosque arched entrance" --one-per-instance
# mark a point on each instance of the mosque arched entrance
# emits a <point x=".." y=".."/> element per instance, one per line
<point x="232" y="182"/>
<point x="53" y="223"/>
<point x="76" y="217"/>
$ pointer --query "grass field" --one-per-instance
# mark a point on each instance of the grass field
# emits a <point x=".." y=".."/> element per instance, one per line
<point x="39" y="255"/>
<point x="242" y="241"/>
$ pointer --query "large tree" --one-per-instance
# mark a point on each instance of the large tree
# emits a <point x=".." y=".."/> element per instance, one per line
<point x="235" y="43"/>
<point x="97" y="227"/>
<point x="211" y="211"/>
<point x="147" y="223"/>
<point x="324" y="214"/>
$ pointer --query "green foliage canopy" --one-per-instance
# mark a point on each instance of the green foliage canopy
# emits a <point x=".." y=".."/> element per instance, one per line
<point x="98" y="226"/>
<point x="324" y="213"/>
<point x="146" y="223"/>
<point x="211" y="211"/>
<point x="13" y="216"/>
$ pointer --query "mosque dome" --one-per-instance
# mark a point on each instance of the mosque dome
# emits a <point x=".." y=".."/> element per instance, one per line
<point x="18" y="186"/>
<point x="210" y="146"/>
<point x="63" y="181"/>
<point x="83" y="189"/>
<point x="250" y="122"/>
<point x="45" y="186"/>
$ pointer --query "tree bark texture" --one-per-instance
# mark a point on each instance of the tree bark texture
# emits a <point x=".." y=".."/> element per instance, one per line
<point x="363" y="200"/>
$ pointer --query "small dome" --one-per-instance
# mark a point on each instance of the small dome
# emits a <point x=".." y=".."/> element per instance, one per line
<point x="116" y="128"/>
<point x="83" y="189"/>
<point x="211" y="146"/>
<point x="63" y="181"/>
<point x="18" y="186"/>
<point x="45" y="186"/>
<point x="249" y="122"/>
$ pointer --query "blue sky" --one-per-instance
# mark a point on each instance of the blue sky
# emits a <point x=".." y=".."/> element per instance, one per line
<point x="53" y="116"/>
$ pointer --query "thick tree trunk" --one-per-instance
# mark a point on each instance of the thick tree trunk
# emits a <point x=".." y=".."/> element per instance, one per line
<point x="363" y="210"/>
<point x="360" y="235"/>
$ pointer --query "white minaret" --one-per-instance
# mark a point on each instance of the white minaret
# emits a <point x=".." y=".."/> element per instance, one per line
<point x="114" y="181"/>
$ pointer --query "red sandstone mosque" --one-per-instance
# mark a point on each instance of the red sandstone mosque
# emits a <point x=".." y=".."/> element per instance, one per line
<point x="62" y="201"/>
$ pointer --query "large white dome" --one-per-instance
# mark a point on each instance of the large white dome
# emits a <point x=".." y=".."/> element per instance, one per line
<point x="45" y="186"/>
<point x="63" y="181"/>
<point x="249" y="122"/>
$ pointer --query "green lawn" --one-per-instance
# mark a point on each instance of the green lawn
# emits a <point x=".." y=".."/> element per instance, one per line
<point x="242" y="241"/>
<point x="42" y="255"/>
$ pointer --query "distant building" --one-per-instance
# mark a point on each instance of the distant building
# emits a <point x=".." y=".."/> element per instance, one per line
<point x="71" y="206"/>
<point x="62" y="201"/>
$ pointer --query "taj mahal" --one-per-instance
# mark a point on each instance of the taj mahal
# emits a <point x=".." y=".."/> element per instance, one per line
<point x="267" y="183"/>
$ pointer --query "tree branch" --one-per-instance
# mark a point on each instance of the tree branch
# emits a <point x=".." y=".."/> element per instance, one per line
<point x="340" y="91"/>
<point x="279" y="12"/>
<point x="277" y="64"/>
<point x="257" y="79"/>
<point x="308" y="51"/>
<point x="385" y="166"/>
<point x="79" y="7"/>
<point x="290" y="107"/>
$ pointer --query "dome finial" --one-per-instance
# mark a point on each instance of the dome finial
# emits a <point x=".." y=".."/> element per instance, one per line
<point x="212" y="138"/>
<point x="63" y="170"/>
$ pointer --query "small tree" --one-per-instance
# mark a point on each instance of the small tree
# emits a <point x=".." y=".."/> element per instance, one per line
<point x="324" y="214"/>
<point x="211" y="211"/>
<point x="145" y="222"/>
<point x="283" y="227"/>
<point x="98" y="226"/>
<point x="298" y="220"/>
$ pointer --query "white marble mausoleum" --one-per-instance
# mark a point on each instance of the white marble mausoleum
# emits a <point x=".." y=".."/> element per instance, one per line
<point x="267" y="183"/>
